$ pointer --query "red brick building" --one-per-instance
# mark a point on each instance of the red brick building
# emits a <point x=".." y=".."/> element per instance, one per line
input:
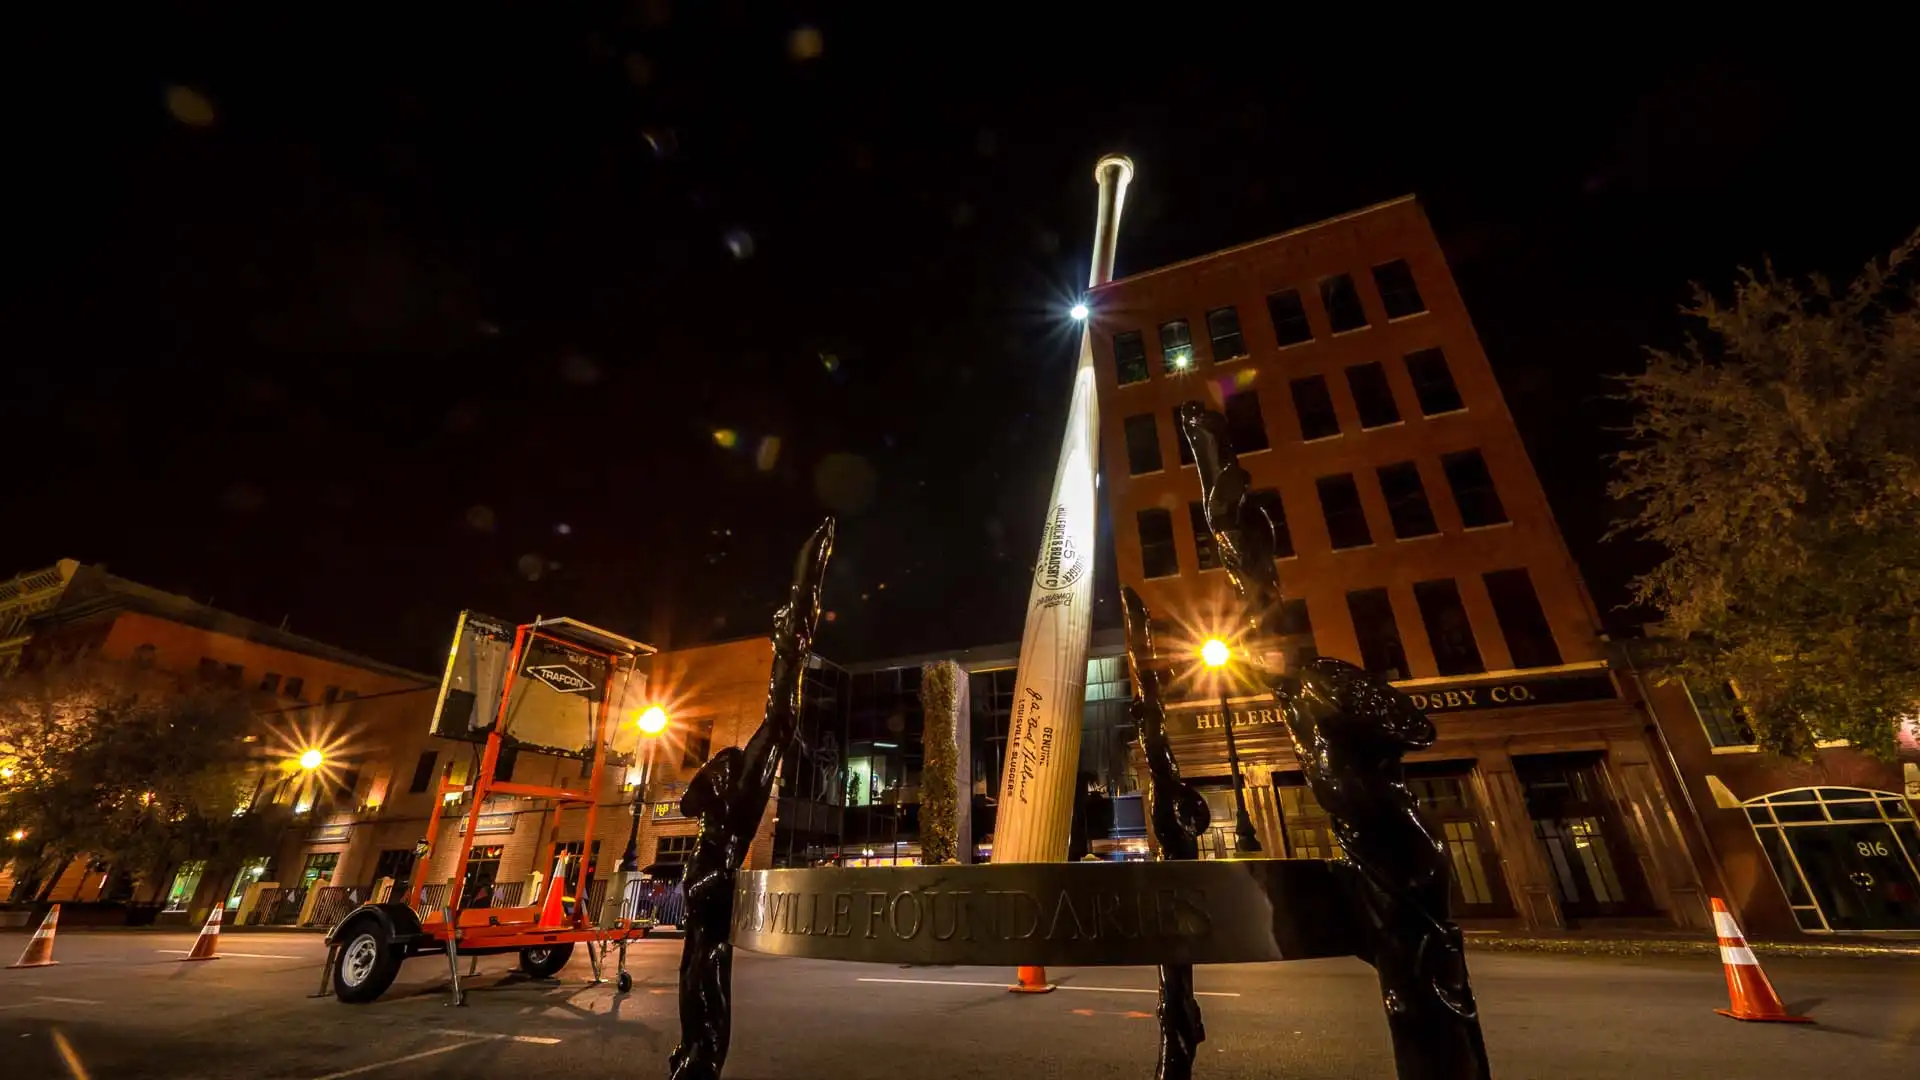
<point x="1415" y="541"/>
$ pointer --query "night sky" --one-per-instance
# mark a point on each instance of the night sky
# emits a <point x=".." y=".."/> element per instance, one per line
<point x="594" y="309"/>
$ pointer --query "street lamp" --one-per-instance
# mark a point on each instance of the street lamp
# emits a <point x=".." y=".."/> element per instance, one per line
<point x="1217" y="655"/>
<point x="1079" y="313"/>
<point x="651" y="723"/>
<point x="311" y="760"/>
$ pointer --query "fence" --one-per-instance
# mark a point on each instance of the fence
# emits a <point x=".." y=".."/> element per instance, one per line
<point x="277" y="907"/>
<point x="336" y="901"/>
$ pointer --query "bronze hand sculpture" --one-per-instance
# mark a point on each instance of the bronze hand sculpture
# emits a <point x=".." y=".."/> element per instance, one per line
<point x="729" y="797"/>
<point x="1180" y="816"/>
<point x="1350" y="729"/>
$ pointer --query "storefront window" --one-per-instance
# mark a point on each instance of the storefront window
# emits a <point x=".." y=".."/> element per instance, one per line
<point x="1309" y="829"/>
<point x="319" y="869"/>
<point x="1219" y="841"/>
<point x="1446" y="799"/>
<point x="1846" y="857"/>
<point x="483" y="868"/>
<point x="250" y="871"/>
<point x="1580" y="834"/>
<point x="186" y="882"/>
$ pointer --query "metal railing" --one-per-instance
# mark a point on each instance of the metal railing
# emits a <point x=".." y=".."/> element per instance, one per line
<point x="277" y="907"/>
<point x="336" y="901"/>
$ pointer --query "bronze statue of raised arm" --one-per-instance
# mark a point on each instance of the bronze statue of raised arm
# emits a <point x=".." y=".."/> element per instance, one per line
<point x="729" y="797"/>
<point x="1180" y="816"/>
<point x="1350" y="729"/>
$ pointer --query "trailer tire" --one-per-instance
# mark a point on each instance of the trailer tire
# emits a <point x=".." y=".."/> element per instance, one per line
<point x="545" y="961"/>
<point x="624" y="982"/>
<point x="365" y="964"/>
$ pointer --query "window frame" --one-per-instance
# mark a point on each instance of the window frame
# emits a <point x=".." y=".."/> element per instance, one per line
<point x="1387" y="294"/>
<point x="1128" y="429"/>
<point x="1474" y="496"/>
<point x="1422" y="387"/>
<point x="1140" y="519"/>
<point x="1358" y="510"/>
<point x="1170" y="350"/>
<point x="1406" y="497"/>
<point x="1300" y="411"/>
<point x="1334" y="298"/>
<point x="1214" y="337"/>
<point x="1298" y="315"/>
<point x="1119" y="362"/>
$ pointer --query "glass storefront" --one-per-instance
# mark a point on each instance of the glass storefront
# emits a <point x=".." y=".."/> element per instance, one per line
<point x="1846" y="857"/>
<point x="1446" y="799"/>
<point x="186" y="882"/>
<point x="1579" y="831"/>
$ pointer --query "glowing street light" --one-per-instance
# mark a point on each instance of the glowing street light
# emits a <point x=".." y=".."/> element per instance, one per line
<point x="1079" y="312"/>
<point x="653" y="721"/>
<point x="1216" y="655"/>
<point x="311" y="760"/>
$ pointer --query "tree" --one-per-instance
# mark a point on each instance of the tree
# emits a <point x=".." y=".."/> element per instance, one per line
<point x="939" y="770"/>
<point x="123" y="766"/>
<point x="1776" y="458"/>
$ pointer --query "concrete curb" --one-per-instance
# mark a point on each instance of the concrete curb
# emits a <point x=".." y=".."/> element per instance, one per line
<point x="1686" y="946"/>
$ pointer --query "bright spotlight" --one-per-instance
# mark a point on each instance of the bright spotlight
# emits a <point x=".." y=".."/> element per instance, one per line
<point x="653" y="721"/>
<point x="311" y="760"/>
<point x="1215" y="653"/>
<point x="1079" y="313"/>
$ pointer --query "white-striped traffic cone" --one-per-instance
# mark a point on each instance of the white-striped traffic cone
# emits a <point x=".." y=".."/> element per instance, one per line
<point x="1750" y="995"/>
<point x="39" y="951"/>
<point x="205" y="945"/>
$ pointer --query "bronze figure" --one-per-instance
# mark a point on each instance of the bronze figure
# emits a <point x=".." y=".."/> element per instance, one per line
<point x="729" y="797"/>
<point x="1350" y="729"/>
<point x="1180" y="816"/>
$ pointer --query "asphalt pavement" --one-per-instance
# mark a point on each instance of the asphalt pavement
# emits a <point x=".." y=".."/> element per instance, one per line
<point x="122" y="1006"/>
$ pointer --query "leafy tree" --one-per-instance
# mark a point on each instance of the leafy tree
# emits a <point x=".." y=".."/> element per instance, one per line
<point x="124" y="766"/>
<point x="1776" y="458"/>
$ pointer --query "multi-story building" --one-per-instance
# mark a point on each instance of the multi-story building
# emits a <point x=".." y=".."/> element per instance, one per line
<point x="1414" y="539"/>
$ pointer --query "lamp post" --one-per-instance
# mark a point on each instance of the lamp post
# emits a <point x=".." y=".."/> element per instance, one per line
<point x="1218" y="656"/>
<point x="651" y="723"/>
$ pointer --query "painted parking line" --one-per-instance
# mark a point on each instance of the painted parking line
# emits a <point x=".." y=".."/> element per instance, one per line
<point x="392" y="1061"/>
<point x="43" y="999"/>
<point x="537" y="1040"/>
<point x="247" y="955"/>
<point x="1059" y="986"/>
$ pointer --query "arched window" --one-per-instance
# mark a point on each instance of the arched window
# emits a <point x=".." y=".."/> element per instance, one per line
<point x="1847" y="858"/>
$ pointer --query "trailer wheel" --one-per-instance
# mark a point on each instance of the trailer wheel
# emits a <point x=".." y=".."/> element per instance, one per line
<point x="366" y="963"/>
<point x="624" y="982"/>
<point x="546" y="960"/>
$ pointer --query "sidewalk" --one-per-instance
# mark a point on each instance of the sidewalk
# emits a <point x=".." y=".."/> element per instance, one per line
<point x="1645" y="943"/>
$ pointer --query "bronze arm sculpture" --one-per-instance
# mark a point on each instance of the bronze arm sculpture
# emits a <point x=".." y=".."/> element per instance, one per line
<point x="1180" y="815"/>
<point x="729" y="797"/>
<point x="1350" y="729"/>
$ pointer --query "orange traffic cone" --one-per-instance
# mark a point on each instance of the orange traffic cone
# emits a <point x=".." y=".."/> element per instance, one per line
<point x="209" y="939"/>
<point x="39" y="951"/>
<point x="1751" y="995"/>
<point x="1032" y="980"/>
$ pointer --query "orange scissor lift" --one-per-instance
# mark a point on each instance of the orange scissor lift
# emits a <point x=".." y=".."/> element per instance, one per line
<point x="367" y="947"/>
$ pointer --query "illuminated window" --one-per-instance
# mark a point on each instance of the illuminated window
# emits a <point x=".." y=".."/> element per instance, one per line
<point x="1846" y="858"/>
<point x="1223" y="326"/>
<point x="1372" y="396"/>
<point x="1176" y="347"/>
<point x="1398" y="294"/>
<point x="1289" y="318"/>
<point x="1342" y="302"/>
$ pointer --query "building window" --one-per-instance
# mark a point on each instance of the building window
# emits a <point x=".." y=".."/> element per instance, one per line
<point x="1448" y="630"/>
<point x="349" y="783"/>
<point x="1379" y="635"/>
<point x="1143" y="444"/>
<point x="1158" y="558"/>
<point x="1223" y="326"/>
<point x="673" y="849"/>
<point x="1718" y="708"/>
<point x="483" y="868"/>
<point x="1407" y="501"/>
<point x="1433" y="383"/>
<point x="1180" y="438"/>
<point x="1847" y="858"/>
<point x="1522" y="623"/>
<point x="1129" y="357"/>
<point x="1290" y="619"/>
<point x="1372" y="396"/>
<point x="503" y="765"/>
<point x="395" y="863"/>
<point x="1289" y="318"/>
<point x="1309" y="828"/>
<point x="1340" y="502"/>
<point x="1206" y="554"/>
<point x="1220" y="841"/>
<point x="1176" y="347"/>
<point x="1315" y="407"/>
<point x="270" y="683"/>
<point x="1398" y="294"/>
<point x="423" y="771"/>
<point x="293" y="687"/>
<point x="1473" y="490"/>
<point x="1246" y="431"/>
<point x="1342" y="302"/>
<point x="319" y="869"/>
<point x="699" y="743"/>
<point x="330" y="695"/>
<point x="1268" y="499"/>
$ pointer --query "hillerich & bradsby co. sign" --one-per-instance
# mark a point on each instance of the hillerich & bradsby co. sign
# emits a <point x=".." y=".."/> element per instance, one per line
<point x="1435" y="699"/>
